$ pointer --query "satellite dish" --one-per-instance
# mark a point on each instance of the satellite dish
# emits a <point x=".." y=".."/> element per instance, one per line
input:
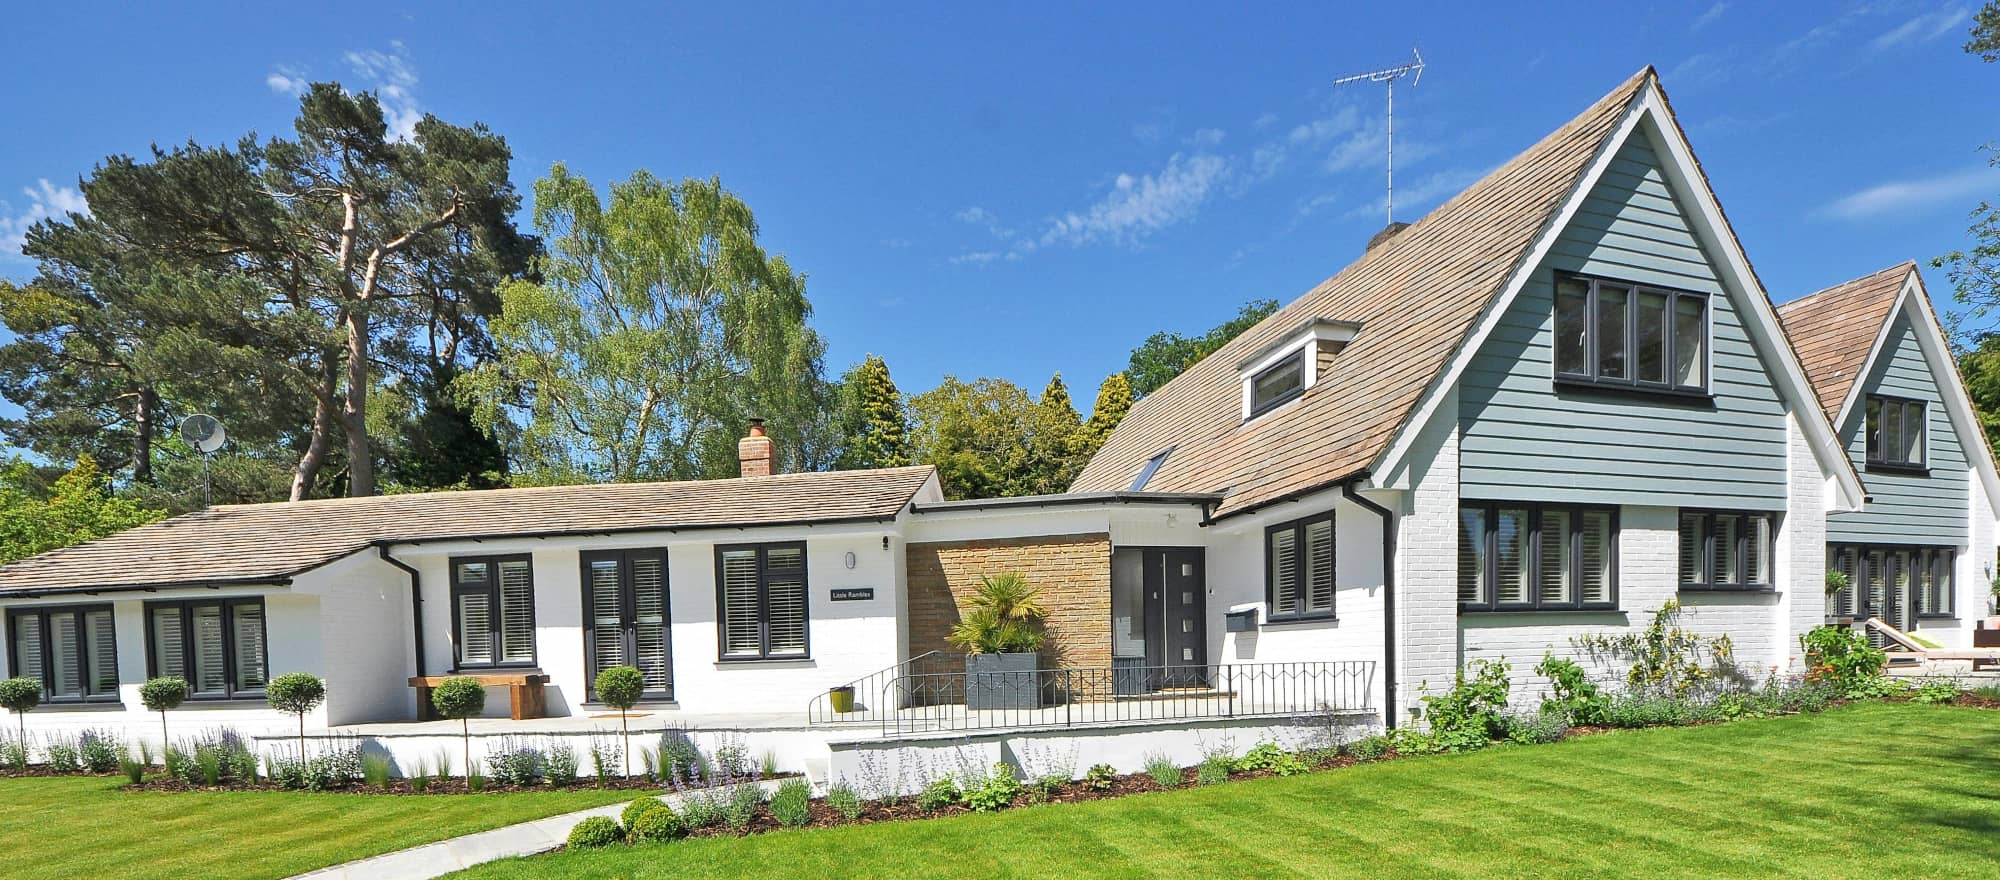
<point x="203" y="432"/>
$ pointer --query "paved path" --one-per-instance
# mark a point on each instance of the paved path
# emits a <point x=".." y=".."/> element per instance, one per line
<point x="445" y="856"/>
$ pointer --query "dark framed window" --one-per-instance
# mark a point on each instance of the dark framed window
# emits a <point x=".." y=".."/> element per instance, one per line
<point x="627" y="621"/>
<point x="1278" y="384"/>
<point x="1897" y="433"/>
<point x="1899" y="584"/>
<point x="1299" y="568"/>
<point x="761" y="592"/>
<point x="1537" y="557"/>
<point x="219" y="646"/>
<point x="1630" y="336"/>
<point x="71" y="650"/>
<point x="493" y="611"/>
<point x="1727" y="550"/>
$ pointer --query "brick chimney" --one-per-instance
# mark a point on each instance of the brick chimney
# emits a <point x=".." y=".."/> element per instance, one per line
<point x="754" y="451"/>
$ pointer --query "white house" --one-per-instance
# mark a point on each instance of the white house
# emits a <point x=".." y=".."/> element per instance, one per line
<point x="1543" y="411"/>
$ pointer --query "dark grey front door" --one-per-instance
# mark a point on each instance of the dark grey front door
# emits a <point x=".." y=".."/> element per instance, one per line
<point x="1177" y="617"/>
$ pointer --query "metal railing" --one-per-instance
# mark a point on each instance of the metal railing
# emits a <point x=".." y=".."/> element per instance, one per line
<point x="868" y="690"/>
<point x="918" y="699"/>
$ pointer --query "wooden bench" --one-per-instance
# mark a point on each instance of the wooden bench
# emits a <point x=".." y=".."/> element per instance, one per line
<point x="524" y="689"/>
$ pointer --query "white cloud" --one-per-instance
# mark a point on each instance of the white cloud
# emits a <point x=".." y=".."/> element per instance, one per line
<point x="1698" y="70"/>
<point x="897" y="243"/>
<point x="45" y="200"/>
<point x="1905" y="196"/>
<point x="1707" y="18"/>
<point x="1138" y="206"/>
<point x="393" y="79"/>
<point x="1921" y="28"/>
<point x="1207" y="137"/>
<point x="976" y="258"/>
<point x="1264" y="121"/>
<point x="978" y="216"/>
<point x="287" y="81"/>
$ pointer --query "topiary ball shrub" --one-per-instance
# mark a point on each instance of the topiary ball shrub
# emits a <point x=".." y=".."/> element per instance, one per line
<point x="658" y="823"/>
<point x="638" y="808"/>
<point x="20" y="695"/>
<point x="594" y="832"/>
<point x="619" y="687"/>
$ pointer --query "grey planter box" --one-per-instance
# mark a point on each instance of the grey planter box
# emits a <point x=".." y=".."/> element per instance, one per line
<point x="1002" y="681"/>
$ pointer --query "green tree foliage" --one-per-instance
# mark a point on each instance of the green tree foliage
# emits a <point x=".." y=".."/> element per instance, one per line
<point x="353" y="249"/>
<point x="1058" y="443"/>
<point x="1981" y="369"/>
<point x="1114" y="400"/>
<point x="874" y="429"/>
<point x="1165" y="354"/>
<point x="989" y="439"/>
<point x="658" y="328"/>
<point x="78" y="507"/>
<point x="1985" y="41"/>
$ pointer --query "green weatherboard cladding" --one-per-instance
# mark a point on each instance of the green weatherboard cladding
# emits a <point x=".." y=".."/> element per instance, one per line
<point x="1522" y="439"/>
<point x="1905" y="508"/>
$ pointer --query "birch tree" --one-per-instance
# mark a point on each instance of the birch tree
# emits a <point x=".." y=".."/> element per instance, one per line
<point x="658" y="327"/>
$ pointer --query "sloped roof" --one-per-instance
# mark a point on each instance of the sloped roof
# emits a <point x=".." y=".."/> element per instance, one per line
<point x="1834" y="330"/>
<point x="261" y="543"/>
<point x="1416" y="296"/>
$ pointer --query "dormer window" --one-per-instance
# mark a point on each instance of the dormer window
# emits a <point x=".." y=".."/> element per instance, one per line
<point x="1278" y="384"/>
<point x="1281" y="372"/>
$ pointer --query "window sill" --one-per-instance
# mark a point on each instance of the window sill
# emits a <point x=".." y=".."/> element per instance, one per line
<point x="257" y="701"/>
<point x="83" y="706"/>
<point x="646" y="703"/>
<point x="1940" y="618"/>
<point x="1908" y="470"/>
<point x="1754" y="591"/>
<point x="1549" y="612"/>
<point x="1273" y="406"/>
<point x="1691" y="396"/>
<point x="512" y="669"/>
<point x="779" y="662"/>
<point x="1298" y="619"/>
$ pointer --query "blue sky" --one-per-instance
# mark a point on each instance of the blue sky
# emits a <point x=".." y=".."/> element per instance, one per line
<point x="1012" y="190"/>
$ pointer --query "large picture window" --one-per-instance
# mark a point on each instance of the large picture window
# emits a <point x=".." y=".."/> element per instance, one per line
<point x="1726" y="551"/>
<point x="72" y="651"/>
<point x="217" y="645"/>
<point x="761" y="589"/>
<point x="626" y="616"/>
<point x="1896" y="433"/>
<point x="1899" y="584"/>
<point x="1298" y="568"/>
<point x="493" y="611"/>
<point x="1537" y="557"/>
<point x="1628" y="335"/>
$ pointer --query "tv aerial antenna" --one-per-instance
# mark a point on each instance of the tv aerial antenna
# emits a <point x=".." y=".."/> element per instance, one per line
<point x="203" y="432"/>
<point x="1388" y="76"/>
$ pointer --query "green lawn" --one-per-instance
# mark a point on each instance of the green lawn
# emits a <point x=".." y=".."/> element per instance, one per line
<point x="65" y="827"/>
<point x="1873" y="791"/>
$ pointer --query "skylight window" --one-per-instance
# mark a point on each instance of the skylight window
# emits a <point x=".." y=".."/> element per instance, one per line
<point x="1146" y="473"/>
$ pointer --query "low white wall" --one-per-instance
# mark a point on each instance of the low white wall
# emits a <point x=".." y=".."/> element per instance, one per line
<point x="875" y="766"/>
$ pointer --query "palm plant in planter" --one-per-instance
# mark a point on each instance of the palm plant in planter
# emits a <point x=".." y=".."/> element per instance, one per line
<point x="1000" y="630"/>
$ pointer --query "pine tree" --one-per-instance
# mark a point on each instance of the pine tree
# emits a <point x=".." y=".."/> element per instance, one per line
<point x="1057" y="444"/>
<point x="875" y="429"/>
<point x="1114" y="400"/>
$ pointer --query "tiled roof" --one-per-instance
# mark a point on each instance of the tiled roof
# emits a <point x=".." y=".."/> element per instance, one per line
<point x="1833" y="331"/>
<point x="266" y="542"/>
<point x="1417" y="296"/>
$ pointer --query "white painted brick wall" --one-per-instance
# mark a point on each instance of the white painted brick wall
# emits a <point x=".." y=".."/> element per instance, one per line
<point x="1801" y="552"/>
<point x="1427" y="570"/>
